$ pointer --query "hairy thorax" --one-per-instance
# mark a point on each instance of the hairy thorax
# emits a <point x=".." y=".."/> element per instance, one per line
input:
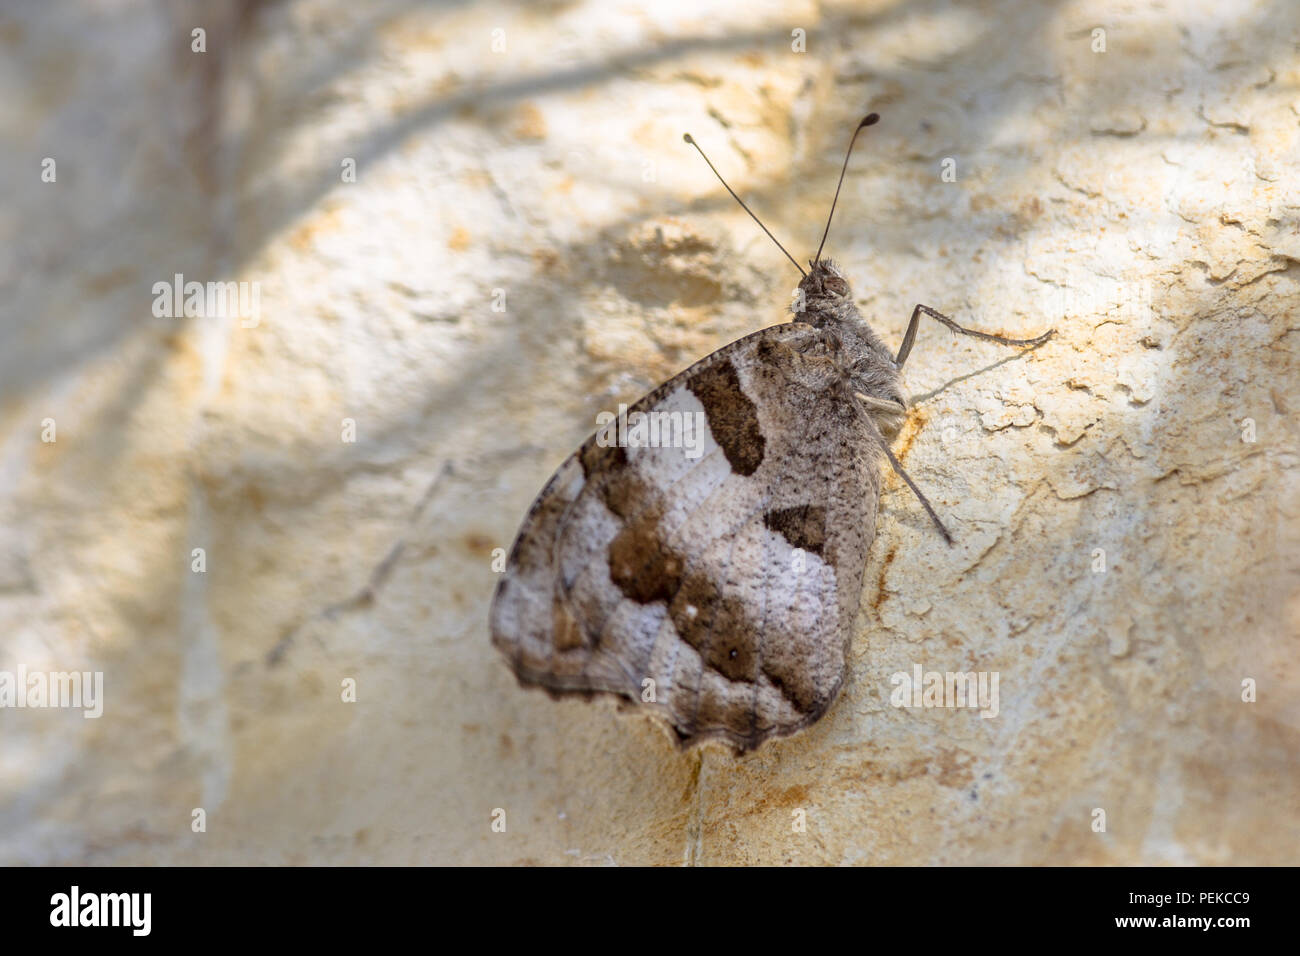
<point x="868" y="365"/>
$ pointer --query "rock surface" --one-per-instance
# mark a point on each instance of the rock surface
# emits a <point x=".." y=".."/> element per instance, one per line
<point x="1126" y="499"/>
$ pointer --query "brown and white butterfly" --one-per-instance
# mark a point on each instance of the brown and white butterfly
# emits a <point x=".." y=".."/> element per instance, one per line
<point x="716" y="587"/>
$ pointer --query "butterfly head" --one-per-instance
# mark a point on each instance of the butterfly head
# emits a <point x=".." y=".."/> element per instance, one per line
<point x="825" y="283"/>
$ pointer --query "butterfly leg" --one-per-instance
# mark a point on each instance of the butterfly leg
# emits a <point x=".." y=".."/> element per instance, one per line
<point x="917" y="491"/>
<point x="910" y="336"/>
<point x="868" y="402"/>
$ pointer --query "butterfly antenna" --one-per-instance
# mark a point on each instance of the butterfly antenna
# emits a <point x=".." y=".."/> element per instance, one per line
<point x="691" y="139"/>
<point x="870" y="119"/>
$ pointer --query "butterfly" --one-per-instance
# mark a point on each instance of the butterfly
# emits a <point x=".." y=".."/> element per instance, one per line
<point x="715" y="586"/>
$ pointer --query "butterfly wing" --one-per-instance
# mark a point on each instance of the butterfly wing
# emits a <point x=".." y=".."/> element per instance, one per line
<point x="714" y="583"/>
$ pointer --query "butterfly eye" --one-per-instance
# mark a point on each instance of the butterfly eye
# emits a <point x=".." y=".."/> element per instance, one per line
<point x="837" y="286"/>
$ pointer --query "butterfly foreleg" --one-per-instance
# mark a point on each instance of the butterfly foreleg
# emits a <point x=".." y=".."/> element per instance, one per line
<point x="909" y="337"/>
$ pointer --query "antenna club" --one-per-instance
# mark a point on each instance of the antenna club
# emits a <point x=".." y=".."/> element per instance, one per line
<point x="688" y="138"/>
<point x="869" y="120"/>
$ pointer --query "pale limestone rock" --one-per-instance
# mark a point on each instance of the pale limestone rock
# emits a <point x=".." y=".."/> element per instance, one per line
<point x="1143" y="201"/>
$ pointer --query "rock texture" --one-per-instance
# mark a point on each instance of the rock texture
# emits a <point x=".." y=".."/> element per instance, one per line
<point x="527" y="242"/>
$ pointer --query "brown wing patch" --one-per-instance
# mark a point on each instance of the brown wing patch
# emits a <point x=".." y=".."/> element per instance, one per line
<point x="597" y="459"/>
<point x="717" y="626"/>
<point x="733" y="418"/>
<point x="804" y="526"/>
<point x="641" y="564"/>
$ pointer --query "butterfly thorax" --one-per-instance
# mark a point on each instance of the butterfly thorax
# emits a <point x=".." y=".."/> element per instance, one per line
<point x="869" y="369"/>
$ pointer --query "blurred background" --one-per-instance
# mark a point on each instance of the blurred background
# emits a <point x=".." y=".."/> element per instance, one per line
<point x="461" y="231"/>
